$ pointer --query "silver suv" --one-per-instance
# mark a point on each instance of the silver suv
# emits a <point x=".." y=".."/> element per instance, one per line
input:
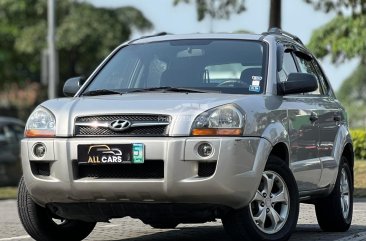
<point x="176" y="129"/>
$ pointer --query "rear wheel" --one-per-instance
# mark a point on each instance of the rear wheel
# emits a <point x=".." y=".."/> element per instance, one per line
<point x="273" y="212"/>
<point x="334" y="213"/>
<point x="41" y="225"/>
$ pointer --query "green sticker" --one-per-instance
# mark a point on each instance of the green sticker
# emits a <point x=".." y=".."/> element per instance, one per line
<point x="137" y="153"/>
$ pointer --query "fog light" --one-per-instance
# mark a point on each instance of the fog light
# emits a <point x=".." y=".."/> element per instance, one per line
<point x="39" y="150"/>
<point x="205" y="150"/>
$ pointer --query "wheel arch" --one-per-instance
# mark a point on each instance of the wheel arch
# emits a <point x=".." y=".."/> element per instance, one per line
<point x="348" y="153"/>
<point x="281" y="151"/>
<point x="277" y="134"/>
<point x="343" y="146"/>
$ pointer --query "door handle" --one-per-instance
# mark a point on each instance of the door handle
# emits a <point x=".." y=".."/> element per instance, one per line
<point x="313" y="117"/>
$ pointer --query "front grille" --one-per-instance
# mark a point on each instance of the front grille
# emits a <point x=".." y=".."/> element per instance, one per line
<point x="147" y="125"/>
<point x="206" y="169"/>
<point x="40" y="168"/>
<point x="151" y="169"/>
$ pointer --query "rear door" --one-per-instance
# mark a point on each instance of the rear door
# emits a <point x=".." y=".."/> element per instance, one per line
<point x="330" y="119"/>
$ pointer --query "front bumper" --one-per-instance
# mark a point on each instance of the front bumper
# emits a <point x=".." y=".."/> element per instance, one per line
<point x="240" y="163"/>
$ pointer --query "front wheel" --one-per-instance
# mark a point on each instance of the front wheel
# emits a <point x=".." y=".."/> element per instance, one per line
<point x="334" y="213"/>
<point x="273" y="212"/>
<point x="42" y="226"/>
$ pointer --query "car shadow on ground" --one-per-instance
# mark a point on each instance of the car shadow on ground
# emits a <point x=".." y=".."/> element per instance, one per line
<point x="217" y="233"/>
<point x="313" y="232"/>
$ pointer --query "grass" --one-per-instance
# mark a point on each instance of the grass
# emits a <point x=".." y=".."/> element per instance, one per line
<point x="8" y="193"/>
<point x="360" y="178"/>
<point x="360" y="183"/>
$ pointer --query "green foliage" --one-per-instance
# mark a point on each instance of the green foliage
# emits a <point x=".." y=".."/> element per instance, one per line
<point x="352" y="95"/>
<point x="360" y="180"/>
<point x="342" y="38"/>
<point x="215" y="9"/>
<point x="85" y="35"/>
<point x="8" y="193"/>
<point x="339" y="6"/>
<point x="359" y="143"/>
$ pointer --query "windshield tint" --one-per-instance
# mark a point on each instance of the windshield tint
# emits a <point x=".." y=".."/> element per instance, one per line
<point x="227" y="66"/>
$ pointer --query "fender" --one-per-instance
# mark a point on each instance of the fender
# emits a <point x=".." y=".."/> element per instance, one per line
<point x="277" y="133"/>
<point x="330" y="168"/>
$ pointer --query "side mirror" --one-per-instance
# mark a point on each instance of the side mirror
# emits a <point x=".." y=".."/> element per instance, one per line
<point x="72" y="86"/>
<point x="298" y="83"/>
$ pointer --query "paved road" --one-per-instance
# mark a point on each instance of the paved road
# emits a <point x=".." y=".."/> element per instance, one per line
<point x="128" y="229"/>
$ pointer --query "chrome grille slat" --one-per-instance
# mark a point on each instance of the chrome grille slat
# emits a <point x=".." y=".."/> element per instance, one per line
<point x="154" y="118"/>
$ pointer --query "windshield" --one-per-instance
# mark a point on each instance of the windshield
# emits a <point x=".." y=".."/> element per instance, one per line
<point x="226" y="66"/>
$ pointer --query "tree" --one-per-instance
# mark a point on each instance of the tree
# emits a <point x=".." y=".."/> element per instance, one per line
<point x="275" y="13"/>
<point x="85" y="35"/>
<point x="343" y="38"/>
<point x="340" y="6"/>
<point x="352" y="95"/>
<point x="216" y="9"/>
<point x="223" y="9"/>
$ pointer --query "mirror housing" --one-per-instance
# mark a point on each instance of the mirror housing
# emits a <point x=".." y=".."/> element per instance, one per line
<point x="298" y="83"/>
<point x="72" y="86"/>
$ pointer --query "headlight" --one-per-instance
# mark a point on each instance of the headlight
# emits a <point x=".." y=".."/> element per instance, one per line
<point x="41" y="123"/>
<point x="224" y="120"/>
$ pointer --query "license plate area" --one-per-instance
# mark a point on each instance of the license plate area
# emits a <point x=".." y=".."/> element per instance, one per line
<point x="103" y="154"/>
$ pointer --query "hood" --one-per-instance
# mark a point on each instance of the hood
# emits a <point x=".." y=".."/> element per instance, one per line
<point x="182" y="107"/>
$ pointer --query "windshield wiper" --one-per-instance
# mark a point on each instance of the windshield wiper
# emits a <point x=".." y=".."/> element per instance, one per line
<point x="168" y="88"/>
<point x="101" y="92"/>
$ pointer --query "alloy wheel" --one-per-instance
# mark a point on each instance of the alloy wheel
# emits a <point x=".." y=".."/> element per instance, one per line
<point x="271" y="204"/>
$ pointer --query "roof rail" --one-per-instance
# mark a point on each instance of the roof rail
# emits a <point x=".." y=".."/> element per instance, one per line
<point x="149" y="36"/>
<point x="284" y="33"/>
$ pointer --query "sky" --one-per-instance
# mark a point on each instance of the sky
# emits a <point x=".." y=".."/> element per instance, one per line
<point x="298" y="18"/>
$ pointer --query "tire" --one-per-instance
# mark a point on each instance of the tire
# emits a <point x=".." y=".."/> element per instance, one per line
<point x="40" y="225"/>
<point x="329" y="212"/>
<point x="248" y="223"/>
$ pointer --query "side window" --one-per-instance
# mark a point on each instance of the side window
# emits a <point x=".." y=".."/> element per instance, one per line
<point x="288" y="66"/>
<point x="119" y="74"/>
<point x="323" y="81"/>
<point x="306" y="66"/>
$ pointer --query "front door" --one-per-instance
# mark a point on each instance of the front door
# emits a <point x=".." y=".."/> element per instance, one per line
<point x="304" y="138"/>
<point x="303" y="129"/>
